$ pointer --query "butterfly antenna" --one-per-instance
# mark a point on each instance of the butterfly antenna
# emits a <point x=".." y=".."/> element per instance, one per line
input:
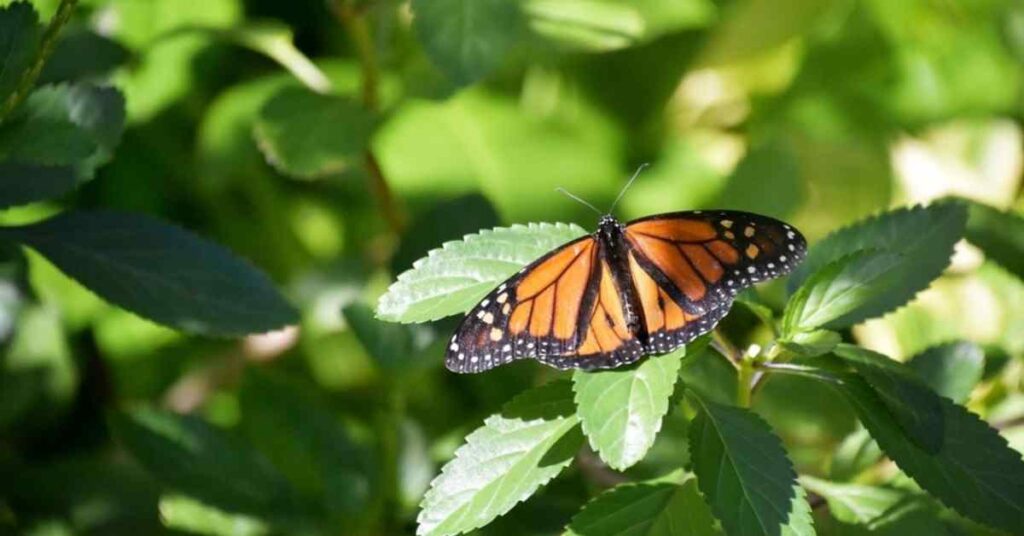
<point x="628" y="184"/>
<point x="571" y="196"/>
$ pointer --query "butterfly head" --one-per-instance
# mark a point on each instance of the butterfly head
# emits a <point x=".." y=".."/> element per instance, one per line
<point x="608" y="226"/>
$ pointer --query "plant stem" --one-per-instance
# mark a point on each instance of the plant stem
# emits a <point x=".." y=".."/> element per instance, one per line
<point x="744" y="380"/>
<point x="46" y="46"/>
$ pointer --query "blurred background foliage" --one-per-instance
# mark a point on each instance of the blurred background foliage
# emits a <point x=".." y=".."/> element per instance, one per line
<point x="334" y="143"/>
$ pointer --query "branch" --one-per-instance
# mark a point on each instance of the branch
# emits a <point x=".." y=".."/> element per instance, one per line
<point x="46" y="46"/>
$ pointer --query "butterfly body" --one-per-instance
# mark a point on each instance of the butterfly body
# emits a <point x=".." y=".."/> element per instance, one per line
<point x="625" y="291"/>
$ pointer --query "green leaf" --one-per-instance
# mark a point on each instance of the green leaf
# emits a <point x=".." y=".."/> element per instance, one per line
<point x="838" y="295"/>
<point x="195" y="458"/>
<point x="857" y="503"/>
<point x="975" y="473"/>
<point x="999" y="234"/>
<point x="857" y="452"/>
<point x="951" y="369"/>
<point x="24" y="183"/>
<point x="800" y="521"/>
<point x="742" y="469"/>
<point x="82" y="54"/>
<point x="586" y="25"/>
<point x="309" y="135"/>
<point x="911" y="402"/>
<point x="811" y="343"/>
<point x="19" y="38"/>
<point x="467" y="39"/>
<point x="452" y="279"/>
<point x="159" y="272"/>
<point x="922" y="236"/>
<point x="184" y="513"/>
<point x="709" y="373"/>
<point x="394" y="347"/>
<point x="621" y="409"/>
<point x="751" y="27"/>
<point x="503" y="462"/>
<point x="655" y="509"/>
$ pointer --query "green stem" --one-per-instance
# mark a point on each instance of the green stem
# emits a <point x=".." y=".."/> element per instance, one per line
<point x="46" y="46"/>
<point x="744" y="381"/>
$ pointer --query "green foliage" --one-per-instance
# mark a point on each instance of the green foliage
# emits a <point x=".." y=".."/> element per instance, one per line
<point x="452" y="279"/>
<point x="621" y="410"/>
<point x="516" y="451"/>
<point x="158" y="271"/>
<point x="742" y="469"/>
<point x="426" y="136"/>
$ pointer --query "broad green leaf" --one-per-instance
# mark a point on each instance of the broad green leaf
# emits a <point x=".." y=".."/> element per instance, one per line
<point x="452" y="279"/>
<point x="914" y="405"/>
<point x="467" y="39"/>
<point x="318" y="455"/>
<point x="308" y="135"/>
<point x="158" y="271"/>
<point x="82" y="54"/>
<point x="709" y="373"/>
<point x="811" y="343"/>
<point x="649" y="509"/>
<point x="975" y="473"/>
<point x="951" y="369"/>
<point x="621" y="409"/>
<point x="19" y="39"/>
<point x="999" y="234"/>
<point x="184" y="513"/>
<point x="857" y="503"/>
<point x="22" y="183"/>
<point x="857" y="452"/>
<point x="838" y="295"/>
<point x="503" y="462"/>
<point x="922" y="236"/>
<point x="742" y="469"/>
<point x="204" y="462"/>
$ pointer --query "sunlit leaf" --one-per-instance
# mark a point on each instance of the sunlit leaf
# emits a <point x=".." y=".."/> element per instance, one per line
<point x="922" y="236"/>
<point x="452" y="279"/>
<point x="467" y="39"/>
<point x="648" y="509"/>
<point x="621" y="409"/>
<point x="309" y="135"/>
<point x="912" y="403"/>
<point x="857" y="503"/>
<point x="951" y="369"/>
<point x="158" y="271"/>
<point x="503" y="462"/>
<point x="742" y="469"/>
<point x="184" y="513"/>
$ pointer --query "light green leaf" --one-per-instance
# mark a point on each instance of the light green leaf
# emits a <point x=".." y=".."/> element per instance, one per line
<point x="467" y="39"/>
<point x="751" y="27"/>
<point x="184" y="513"/>
<point x="503" y="462"/>
<point x="811" y="343"/>
<point x="742" y="469"/>
<point x="999" y="234"/>
<point x="800" y="521"/>
<point x="158" y="271"/>
<point x="649" y="509"/>
<point x="975" y="473"/>
<point x="208" y="464"/>
<point x="951" y="369"/>
<point x="838" y="295"/>
<point x="452" y="279"/>
<point x="911" y="402"/>
<point x="621" y="409"/>
<point x="922" y="236"/>
<point x="857" y="503"/>
<point x="587" y="25"/>
<point x="308" y="135"/>
<point x="19" y="38"/>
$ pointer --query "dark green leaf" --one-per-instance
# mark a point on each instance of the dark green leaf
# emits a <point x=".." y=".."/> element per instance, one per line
<point x="204" y="462"/>
<point x="912" y="403"/>
<point x="656" y="509"/>
<point x="467" y="39"/>
<point x="19" y="39"/>
<point x="922" y="236"/>
<point x="309" y="135"/>
<point x="975" y="473"/>
<point x="709" y="373"/>
<point x="742" y="469"/>
<point x="159" y="271"/>
<point x="393" y="346"/>
<point x="838" y="295"/>
<point x="999" y="234"/>
<point x="951" y="369"/>
<point x="503" y="462"/>
<point x="437" y="226"/>
<point x="25" y="183"/>
<point x="82" y="54"/>
<point x="621" y="409"/>
<point x="766" y="181"/>
<point x="453" y="278"/>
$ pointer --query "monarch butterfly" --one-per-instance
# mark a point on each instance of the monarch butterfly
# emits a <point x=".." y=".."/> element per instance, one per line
<point x="625" y="291"/>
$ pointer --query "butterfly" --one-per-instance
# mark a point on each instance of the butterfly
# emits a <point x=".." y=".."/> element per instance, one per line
<point x="625" y="291"/>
